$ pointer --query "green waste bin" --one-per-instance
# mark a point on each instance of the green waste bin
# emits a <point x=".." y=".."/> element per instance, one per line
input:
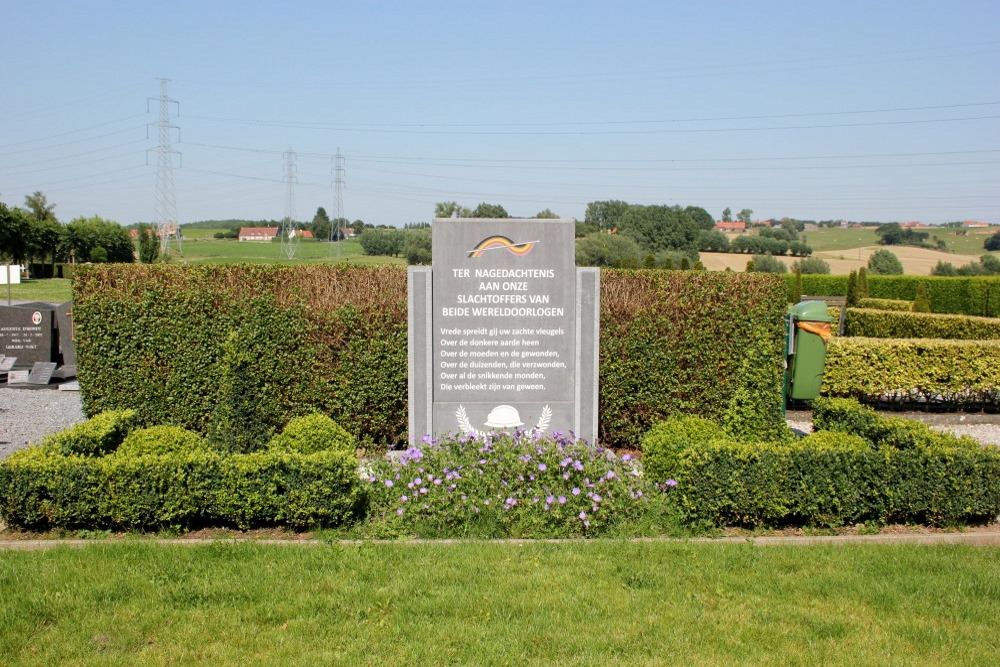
<point x="808" y="333"/>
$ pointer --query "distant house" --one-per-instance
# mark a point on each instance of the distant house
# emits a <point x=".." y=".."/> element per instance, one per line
<point x="172" y="231"/>
<point x="258" y="233"/>
<point x="914" y="225"/>
<point x="730" y="226"/>
<point x="302" y="233"/>
<point x="972" y="224"/>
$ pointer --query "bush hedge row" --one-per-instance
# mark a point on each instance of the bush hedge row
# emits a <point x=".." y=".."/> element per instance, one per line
<point x="951" y="373"/>
<point x="894" y="324"/>
<point x="877" y="470"/>
<point x="886" y="304"/>
<point x="963" y="295"/>
<point x="164" y="476"/>
<point x="333" y="339"/>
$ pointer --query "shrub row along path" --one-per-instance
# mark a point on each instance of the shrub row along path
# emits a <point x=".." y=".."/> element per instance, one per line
<point x="27" y="415"/>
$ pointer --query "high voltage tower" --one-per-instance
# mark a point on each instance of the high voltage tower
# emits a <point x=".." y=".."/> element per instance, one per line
<point x="337" y="228"/>
<point x="166" y="202"/>
<point x="289" y="228"/>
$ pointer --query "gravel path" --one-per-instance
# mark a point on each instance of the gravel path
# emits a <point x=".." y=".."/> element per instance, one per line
<point x="27" y="415"/>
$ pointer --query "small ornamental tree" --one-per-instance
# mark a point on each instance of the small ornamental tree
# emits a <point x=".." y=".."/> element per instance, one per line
<point x="852" y="289"/>
<point x="863" y="283"/>
<point x="922" y="303"/>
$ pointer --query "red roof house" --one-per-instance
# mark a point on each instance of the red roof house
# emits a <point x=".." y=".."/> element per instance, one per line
<point x="258" y="233"/>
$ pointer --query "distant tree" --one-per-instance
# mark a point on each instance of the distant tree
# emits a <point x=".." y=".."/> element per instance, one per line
<point x="685" y="264"/>
<point x="657" y="228"/>
<point x="417" y="247"/>
<point x="321" y="225"/>
<point x="811" y="266"/>
<point x="745" y="216"/>
<point x="885" y="263"/>
<point x="45" y="240"/>
<point x="39" y="207"/>
<point x="546" y="214"/>
<point x="922" y="303"/>
<point x="383" y="242"/>
<point x="84" y="235"/>
<point x="485" y="210"/>
<point x="649" y="262"/>
<point x="727" y="215"/>
<point x="711" y="240"/>
<point x="605" y="214"/>
<point x="944" y="269"/>
<point x="702" y="218"/>
<point x="894" y="234"/>
<point x="585" y="229"/>
<point x="358" y="226"/>
<point x="149" y="245"/>
<point x="993" y="242"/>
<point x="768" y="264"/>
<point x="98" y="255"/>
<point x="991" y="263"/>
<point x="15" y="229"/>
<point x="451" y="209"/>
<point x="608" y="250"/>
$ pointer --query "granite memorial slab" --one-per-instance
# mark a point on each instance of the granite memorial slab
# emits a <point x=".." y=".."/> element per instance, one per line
<point x="503" y="330"/>
<point x="41" y="372"/>
<point x="17" y="377"/>
<point x="26" y="332"/>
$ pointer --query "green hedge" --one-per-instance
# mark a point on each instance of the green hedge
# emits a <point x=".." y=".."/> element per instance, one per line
<point x="40" y="489"/>
<point x="99" y="435"/>
<point x="332" y="339"/>
<point x="893" y="324"/>
<point x="961" y="295"/>
<point x="951" y="373"/>
<point x="886" y="304"/>
<point x="877" y="469"/>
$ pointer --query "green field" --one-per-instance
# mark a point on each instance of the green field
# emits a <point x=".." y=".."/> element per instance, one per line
<point x="828" y="239"/>
<point x="494" y="603"/>
<point x="228" y="251"/>
<point x="55" y="290"/>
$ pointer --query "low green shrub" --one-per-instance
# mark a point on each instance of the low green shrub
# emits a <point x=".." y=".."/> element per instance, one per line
<point x="666" y="440"/>
<point x="951" y="373"/>
<point x="508" y="485"/>
<point x="891" y="324"/>
<point x="846" y="416"/>
<point x="886" y="304"/>
<point x="833" y="440"/>
<point x="99" y="435"/>
<point x="312" y="433"/>
<point x="968" y="295"/>
<point x="161" y="440"/>
<point x="42" y="489"/>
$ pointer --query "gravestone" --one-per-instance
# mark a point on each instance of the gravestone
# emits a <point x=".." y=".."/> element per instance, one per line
<point x="67" y="338"/>
<point x="41" y="372"/>
<point x="26" y="332"/>
<point x="503" y="330"/>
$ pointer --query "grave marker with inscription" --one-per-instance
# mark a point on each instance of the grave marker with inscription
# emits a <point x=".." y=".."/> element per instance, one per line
<point x="27" y="333"/>
<point x="503" y="330"/>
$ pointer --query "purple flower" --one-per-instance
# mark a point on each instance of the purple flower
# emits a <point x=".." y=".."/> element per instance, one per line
<point x="423" y="489"/>
<point x="400" y="511"/>
<point x="437" y="482"/>
<point x="565" y="475"/>
<point x="542" y="467"/>
<point x="510" y="502"/>
<point x="562" y="500"/>
<point x="671" y="482"/>
<point x="575" y="491"/>
<point x="577" y="465"/>
<point x="611" y="474"/>
<point x="550" y="500"/>
<point x="373" y="479"/>
<point x="583" y="515"/>
<point x="596" y="498"/>
<point x="418" y="481"/>
<point x="388" y="483"/>
<point x="404" y="498"/>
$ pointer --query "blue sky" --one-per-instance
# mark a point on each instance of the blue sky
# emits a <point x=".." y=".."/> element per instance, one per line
<point x="856" y="110"/>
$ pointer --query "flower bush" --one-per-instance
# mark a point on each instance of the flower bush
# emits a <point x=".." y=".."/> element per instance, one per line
<point x="508" y="485"/>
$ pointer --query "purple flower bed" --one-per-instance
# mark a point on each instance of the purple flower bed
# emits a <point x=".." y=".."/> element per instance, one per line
<point x="508" y="485"/>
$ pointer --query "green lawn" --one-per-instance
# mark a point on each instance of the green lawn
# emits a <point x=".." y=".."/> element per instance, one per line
<point x="56" y="290"/>
<point x="489" y="603"/>
<point x="227" y="251"/>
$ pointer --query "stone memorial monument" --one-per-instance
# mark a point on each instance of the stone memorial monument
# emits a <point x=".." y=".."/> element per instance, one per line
<point x="39" y="332"/>
<point x="503" y="330"/>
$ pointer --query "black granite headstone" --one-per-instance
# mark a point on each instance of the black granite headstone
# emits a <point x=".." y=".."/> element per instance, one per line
<point x="26" y="332"/>
<point x="64" y="323"/>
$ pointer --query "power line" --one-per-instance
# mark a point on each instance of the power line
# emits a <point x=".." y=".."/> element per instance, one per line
<point x="289" y="228"/>
<point x="165" y="198"/>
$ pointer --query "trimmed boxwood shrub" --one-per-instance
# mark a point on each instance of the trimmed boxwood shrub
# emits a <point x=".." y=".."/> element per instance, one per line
<point x="892" y="324"/>
<point x="312" y="433"/>
<point x="332" y="339"/>
<point x="960" y="295"/>
<point x="850" y="417"/>
<point x="42" y="489"/>
<point x="666" y="440"/>
<point x="99" y="435"/>
<point x="162" y="440"/>
<point x="947" y="372"/>
<point x="886" y="304"/>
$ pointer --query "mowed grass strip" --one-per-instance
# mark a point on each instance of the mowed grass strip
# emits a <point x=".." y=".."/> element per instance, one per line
<point x="488" y="603"/>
